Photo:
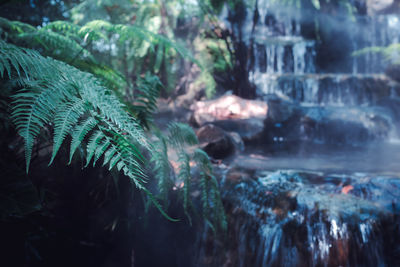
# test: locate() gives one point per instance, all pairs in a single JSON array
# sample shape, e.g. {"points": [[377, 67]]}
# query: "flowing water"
{"points": [[333, 200], [312, 207]]}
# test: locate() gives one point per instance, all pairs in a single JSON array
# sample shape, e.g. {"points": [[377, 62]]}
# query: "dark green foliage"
{"points": [[145, 99], [181, 137], [162, 167], [65, 97], [76, 45], [390, 53], [185, 176], [79, 107], [213, 210], [181, 134]]}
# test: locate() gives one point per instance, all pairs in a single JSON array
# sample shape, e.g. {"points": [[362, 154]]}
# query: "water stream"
{"points": [[333, 200]]}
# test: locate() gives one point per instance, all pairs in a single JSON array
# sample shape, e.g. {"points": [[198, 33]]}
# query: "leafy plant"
{"points": [[84, 47], [181, 137], [76, 104], [390, 53]]}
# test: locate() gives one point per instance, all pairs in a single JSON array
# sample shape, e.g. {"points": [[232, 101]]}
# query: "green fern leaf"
{"points": [[78, 135], [114, 160], [31, 112], [109, 154], [184, 175], [158, 206], [67, 116], [162, 168], [101, 149], [5, 65], [181, 133], [94, 141]]}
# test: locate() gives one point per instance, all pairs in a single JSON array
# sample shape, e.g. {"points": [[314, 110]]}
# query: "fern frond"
{"points": [[59, 95], [93, 144], [67, 115], [15, 27], [219, 216], [72, 93], [205, 198], [5, 67], [185, 176], [101, 149], [167, 43], [112, 110], [145, 104], [210, 192], [79, 134], [109, 155], [64, 27], [391, 53], [96, 29], [159, 57], [202, 159], [181, 133], [158, 206], [31, 111], [15, 58], [56, 45], [112, 79], [162, 168]]}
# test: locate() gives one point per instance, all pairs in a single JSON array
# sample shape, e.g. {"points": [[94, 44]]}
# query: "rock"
{"points": [[300, 218], [238, 175], [233, 114], [250, 130], [237, 141], [279, 110], [287, 123], [345, 126], [393, 105], [215, 141], [228, 107], [393, 71]]}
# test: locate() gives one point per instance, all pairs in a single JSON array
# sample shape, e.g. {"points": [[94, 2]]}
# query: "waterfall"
{"points": [[313, 214], [292, 218], [377, 31], [284, 64]]}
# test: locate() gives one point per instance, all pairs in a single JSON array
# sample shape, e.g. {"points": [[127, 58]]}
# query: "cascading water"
{"points": [[306, 218], [316, 215], [377, 31], [284, 64]]}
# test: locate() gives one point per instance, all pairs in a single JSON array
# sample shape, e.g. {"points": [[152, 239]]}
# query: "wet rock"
{"points": [[237, 175], [215, 141], [327, 125], [290, 218], [280, 110], [232, 114], [250, 130], [393, 71], [345, 126], [237, 141], [228, 107], [393, 105]]}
